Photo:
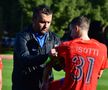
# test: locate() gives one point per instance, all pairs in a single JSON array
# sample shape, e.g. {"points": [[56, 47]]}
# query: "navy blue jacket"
{"points": [[29, 58]]}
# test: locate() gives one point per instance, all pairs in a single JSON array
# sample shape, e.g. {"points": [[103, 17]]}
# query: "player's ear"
{"points": [[77, 28]]}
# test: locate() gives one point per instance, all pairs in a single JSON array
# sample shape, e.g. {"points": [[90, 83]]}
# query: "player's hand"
{"points": [[53, 53], [100, 74]]}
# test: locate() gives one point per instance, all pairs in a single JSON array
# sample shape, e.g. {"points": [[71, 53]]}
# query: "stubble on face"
{"points": [[42, 23]]}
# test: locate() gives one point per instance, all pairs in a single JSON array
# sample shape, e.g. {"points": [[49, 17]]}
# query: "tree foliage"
{"points": [[64, 12]]}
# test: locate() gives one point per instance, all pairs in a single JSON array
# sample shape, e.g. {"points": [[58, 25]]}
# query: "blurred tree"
{"points": [[17, 13], [11, 13], [99, 10]]}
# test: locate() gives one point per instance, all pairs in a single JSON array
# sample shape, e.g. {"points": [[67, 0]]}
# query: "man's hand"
{"points": [[53, 53]]}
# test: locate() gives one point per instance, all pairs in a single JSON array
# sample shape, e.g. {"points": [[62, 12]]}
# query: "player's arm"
{"points": [[104, 65], [49, 63], [59, 64], [48, 67], [58, 61], [100, 74], [53, 61], [107, 63], [47, 70]]}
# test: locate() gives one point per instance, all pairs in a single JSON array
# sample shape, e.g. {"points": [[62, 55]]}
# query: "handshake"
{"points": [[53, 53], [52, 58]]}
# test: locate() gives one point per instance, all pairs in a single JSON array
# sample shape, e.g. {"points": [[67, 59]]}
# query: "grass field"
{"points": [[7, 72]]}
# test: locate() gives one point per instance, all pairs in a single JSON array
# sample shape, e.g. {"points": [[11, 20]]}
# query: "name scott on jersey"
{"points": [[89, 51]]}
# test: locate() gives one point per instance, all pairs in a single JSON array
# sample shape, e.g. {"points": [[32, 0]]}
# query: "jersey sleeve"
{"points": [[61, 49], [62, 53], [105, 59], [105, 64]]}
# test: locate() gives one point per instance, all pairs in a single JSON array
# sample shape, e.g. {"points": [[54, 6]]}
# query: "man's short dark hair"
{"points": [[41, 9]]}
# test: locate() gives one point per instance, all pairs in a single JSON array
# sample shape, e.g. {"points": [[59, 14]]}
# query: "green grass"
{"points": [[103, 81], [7, 73]]}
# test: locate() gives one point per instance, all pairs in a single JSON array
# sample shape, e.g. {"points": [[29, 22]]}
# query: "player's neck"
{"points": [[85, 38], [84, 35]]}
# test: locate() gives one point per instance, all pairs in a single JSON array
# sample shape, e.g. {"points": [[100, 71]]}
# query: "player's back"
{"points": [[84, 60]]}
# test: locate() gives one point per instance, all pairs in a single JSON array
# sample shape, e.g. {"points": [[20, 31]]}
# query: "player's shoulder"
{"points": [[71, 42], [96, 42], [67, 42]]}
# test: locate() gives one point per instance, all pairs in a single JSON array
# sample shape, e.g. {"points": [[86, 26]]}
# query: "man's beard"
{"points": [[42, 32]]}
